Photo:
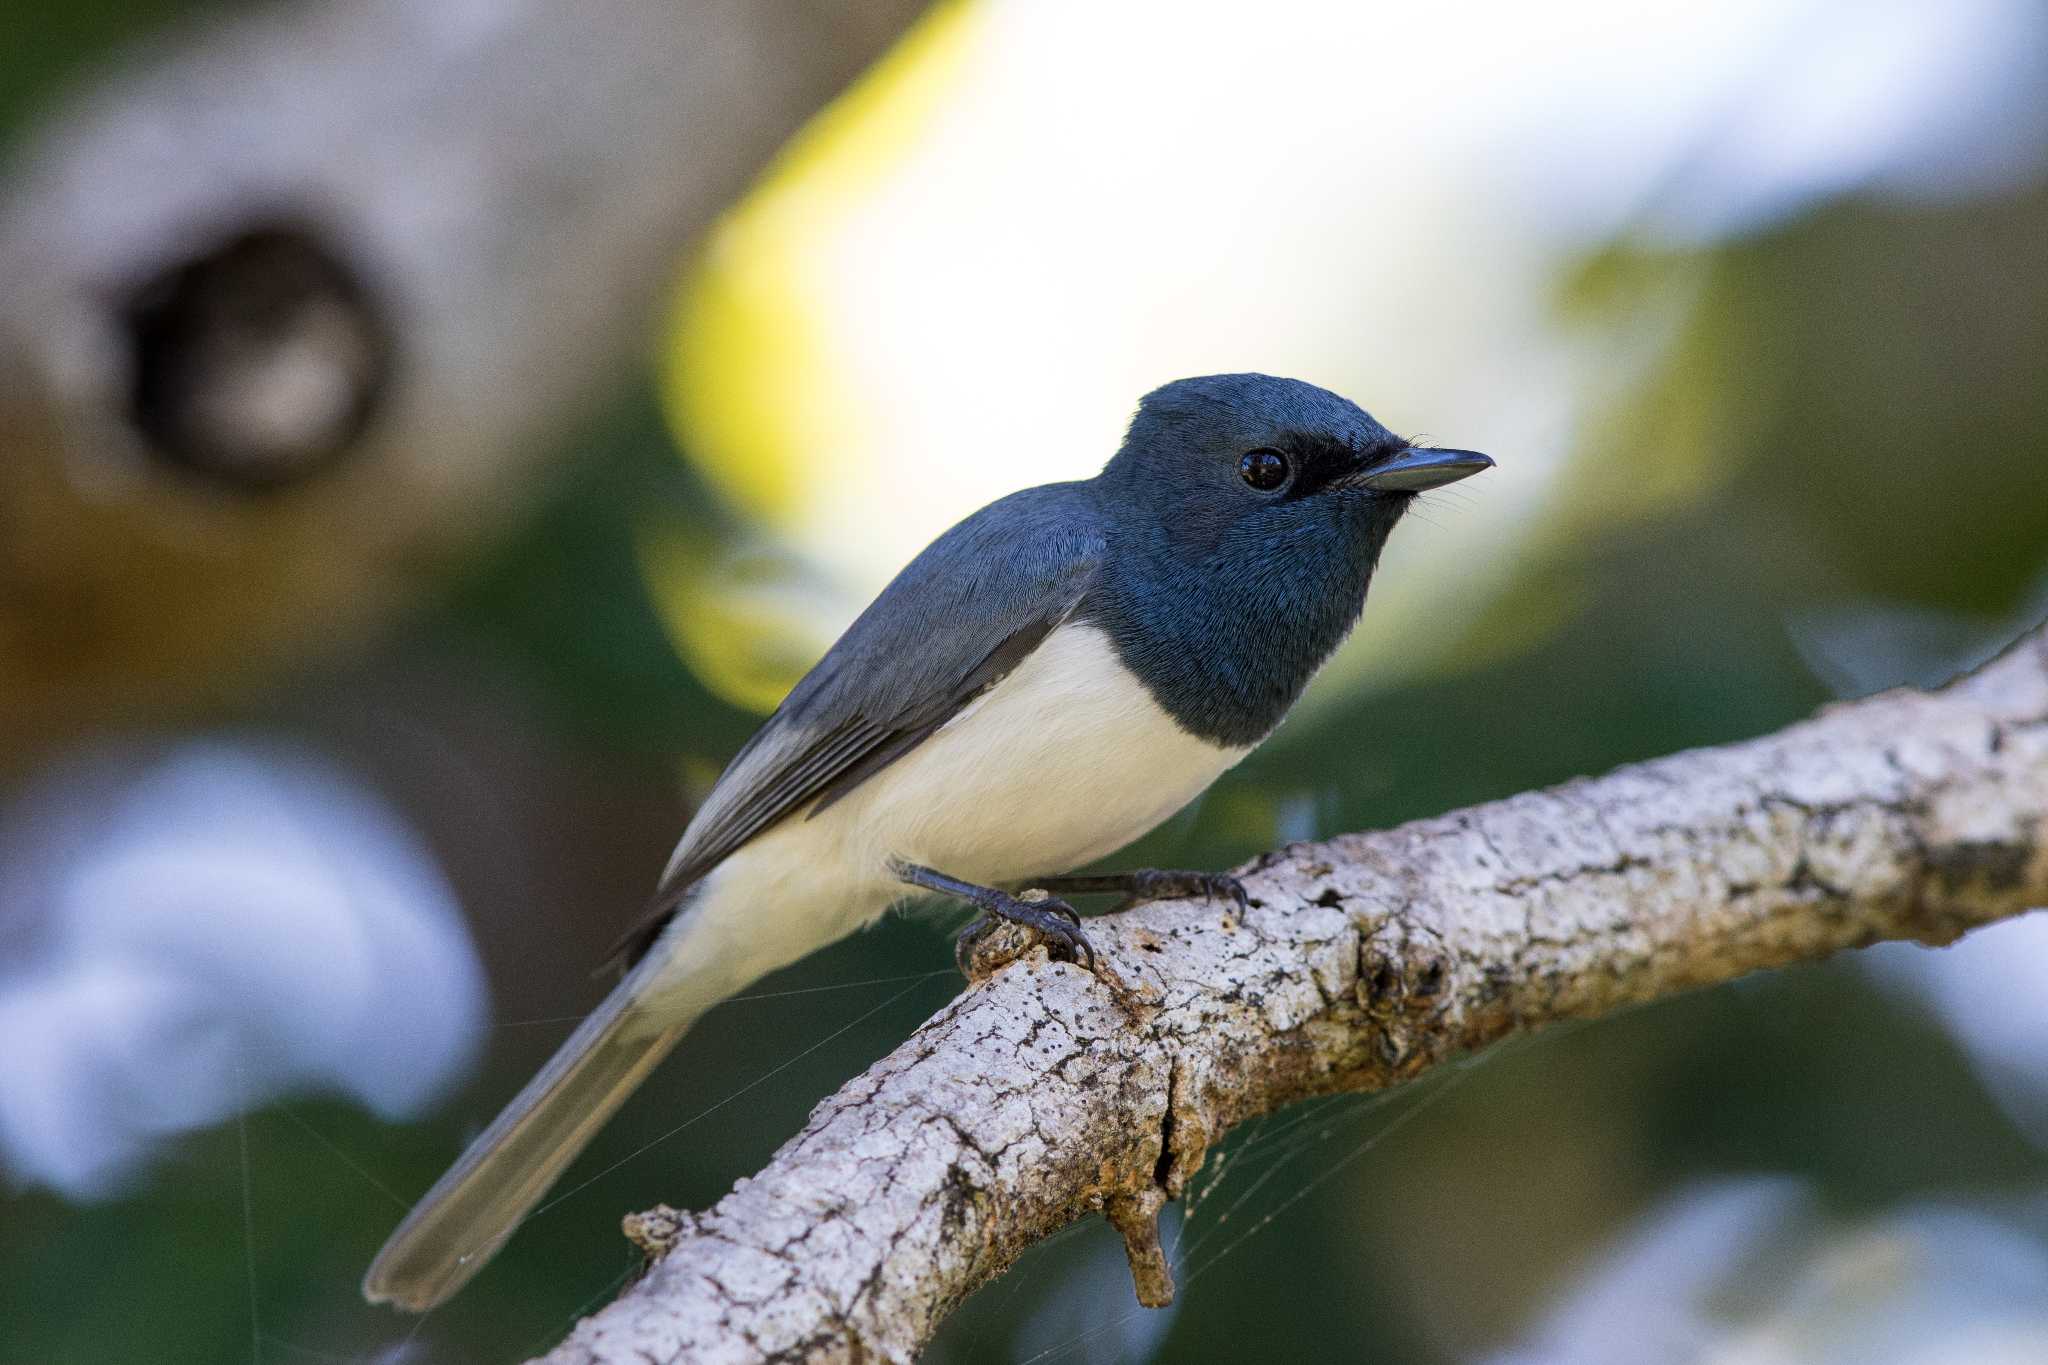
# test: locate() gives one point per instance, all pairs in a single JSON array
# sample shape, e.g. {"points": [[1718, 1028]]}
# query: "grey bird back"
{"points": [[949, 626]]}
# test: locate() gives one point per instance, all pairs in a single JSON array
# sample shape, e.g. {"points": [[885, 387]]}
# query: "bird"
{"points": [[1051, 678]]}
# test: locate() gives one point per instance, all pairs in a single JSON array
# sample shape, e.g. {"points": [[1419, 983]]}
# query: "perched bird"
{"points": [[1047, 681]]}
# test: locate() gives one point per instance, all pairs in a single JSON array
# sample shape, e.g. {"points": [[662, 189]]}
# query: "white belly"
{"points": [[1064, 761]]}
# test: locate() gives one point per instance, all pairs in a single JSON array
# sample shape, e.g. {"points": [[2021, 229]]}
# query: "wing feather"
{"points": [[953, 624]]}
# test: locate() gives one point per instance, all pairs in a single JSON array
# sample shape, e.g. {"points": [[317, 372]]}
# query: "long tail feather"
{"points": [[475, 1207]]}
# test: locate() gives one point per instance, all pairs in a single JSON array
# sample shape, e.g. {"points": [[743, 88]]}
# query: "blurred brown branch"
{"points": [[1037, 1097], [297, 305]]}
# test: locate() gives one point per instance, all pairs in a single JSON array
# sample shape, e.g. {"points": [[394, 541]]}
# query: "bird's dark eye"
{"points": [[1264, 470]]}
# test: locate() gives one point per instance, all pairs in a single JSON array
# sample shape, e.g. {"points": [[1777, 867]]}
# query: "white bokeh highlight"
{"points": [[1750, 1271], [195, 931]]}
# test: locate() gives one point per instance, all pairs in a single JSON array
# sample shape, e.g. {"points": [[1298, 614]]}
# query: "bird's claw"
{"points": [[1056, 923], [1053, 905]]}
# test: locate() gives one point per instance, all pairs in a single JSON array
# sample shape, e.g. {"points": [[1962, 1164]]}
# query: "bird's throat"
{"points": [[1226, 645]]}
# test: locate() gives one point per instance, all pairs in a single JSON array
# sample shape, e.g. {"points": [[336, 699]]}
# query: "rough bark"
{"points": [[297, 305], [1038, 1096]]}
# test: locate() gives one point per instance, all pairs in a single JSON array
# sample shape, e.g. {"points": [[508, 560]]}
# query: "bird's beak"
{"points": [[1419, 468]]}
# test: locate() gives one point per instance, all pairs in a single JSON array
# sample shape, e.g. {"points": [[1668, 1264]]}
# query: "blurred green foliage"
{"points": [[52, 45]]}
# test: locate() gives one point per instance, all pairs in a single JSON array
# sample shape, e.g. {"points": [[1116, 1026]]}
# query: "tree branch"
{"points": [[1036, 1097]]}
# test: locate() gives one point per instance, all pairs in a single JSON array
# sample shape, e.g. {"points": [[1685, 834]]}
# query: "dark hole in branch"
{"points": [[257, 361]]}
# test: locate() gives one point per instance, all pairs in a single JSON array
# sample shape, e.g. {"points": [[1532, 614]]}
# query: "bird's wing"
{"points": [[950, 626]]}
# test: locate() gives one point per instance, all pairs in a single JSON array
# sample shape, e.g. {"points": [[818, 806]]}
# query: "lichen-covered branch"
{"points": [[1039, 1096]]}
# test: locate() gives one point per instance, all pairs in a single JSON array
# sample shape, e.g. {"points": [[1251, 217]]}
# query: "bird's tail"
{"points": [[460, 1224]]}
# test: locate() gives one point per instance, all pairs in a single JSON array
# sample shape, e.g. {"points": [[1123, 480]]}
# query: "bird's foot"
{"points": [[1154, 884], [1053, 922]]}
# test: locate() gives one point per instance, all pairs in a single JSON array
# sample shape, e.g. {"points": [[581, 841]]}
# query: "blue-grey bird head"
{"points": [[1243, 517]]}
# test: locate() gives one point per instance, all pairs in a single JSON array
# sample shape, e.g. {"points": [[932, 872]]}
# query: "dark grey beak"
{"points": [[1421, 467]]}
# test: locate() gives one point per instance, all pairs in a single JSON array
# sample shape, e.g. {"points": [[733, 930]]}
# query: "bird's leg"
{"points": [[1053, 920], [1151, 884]]}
